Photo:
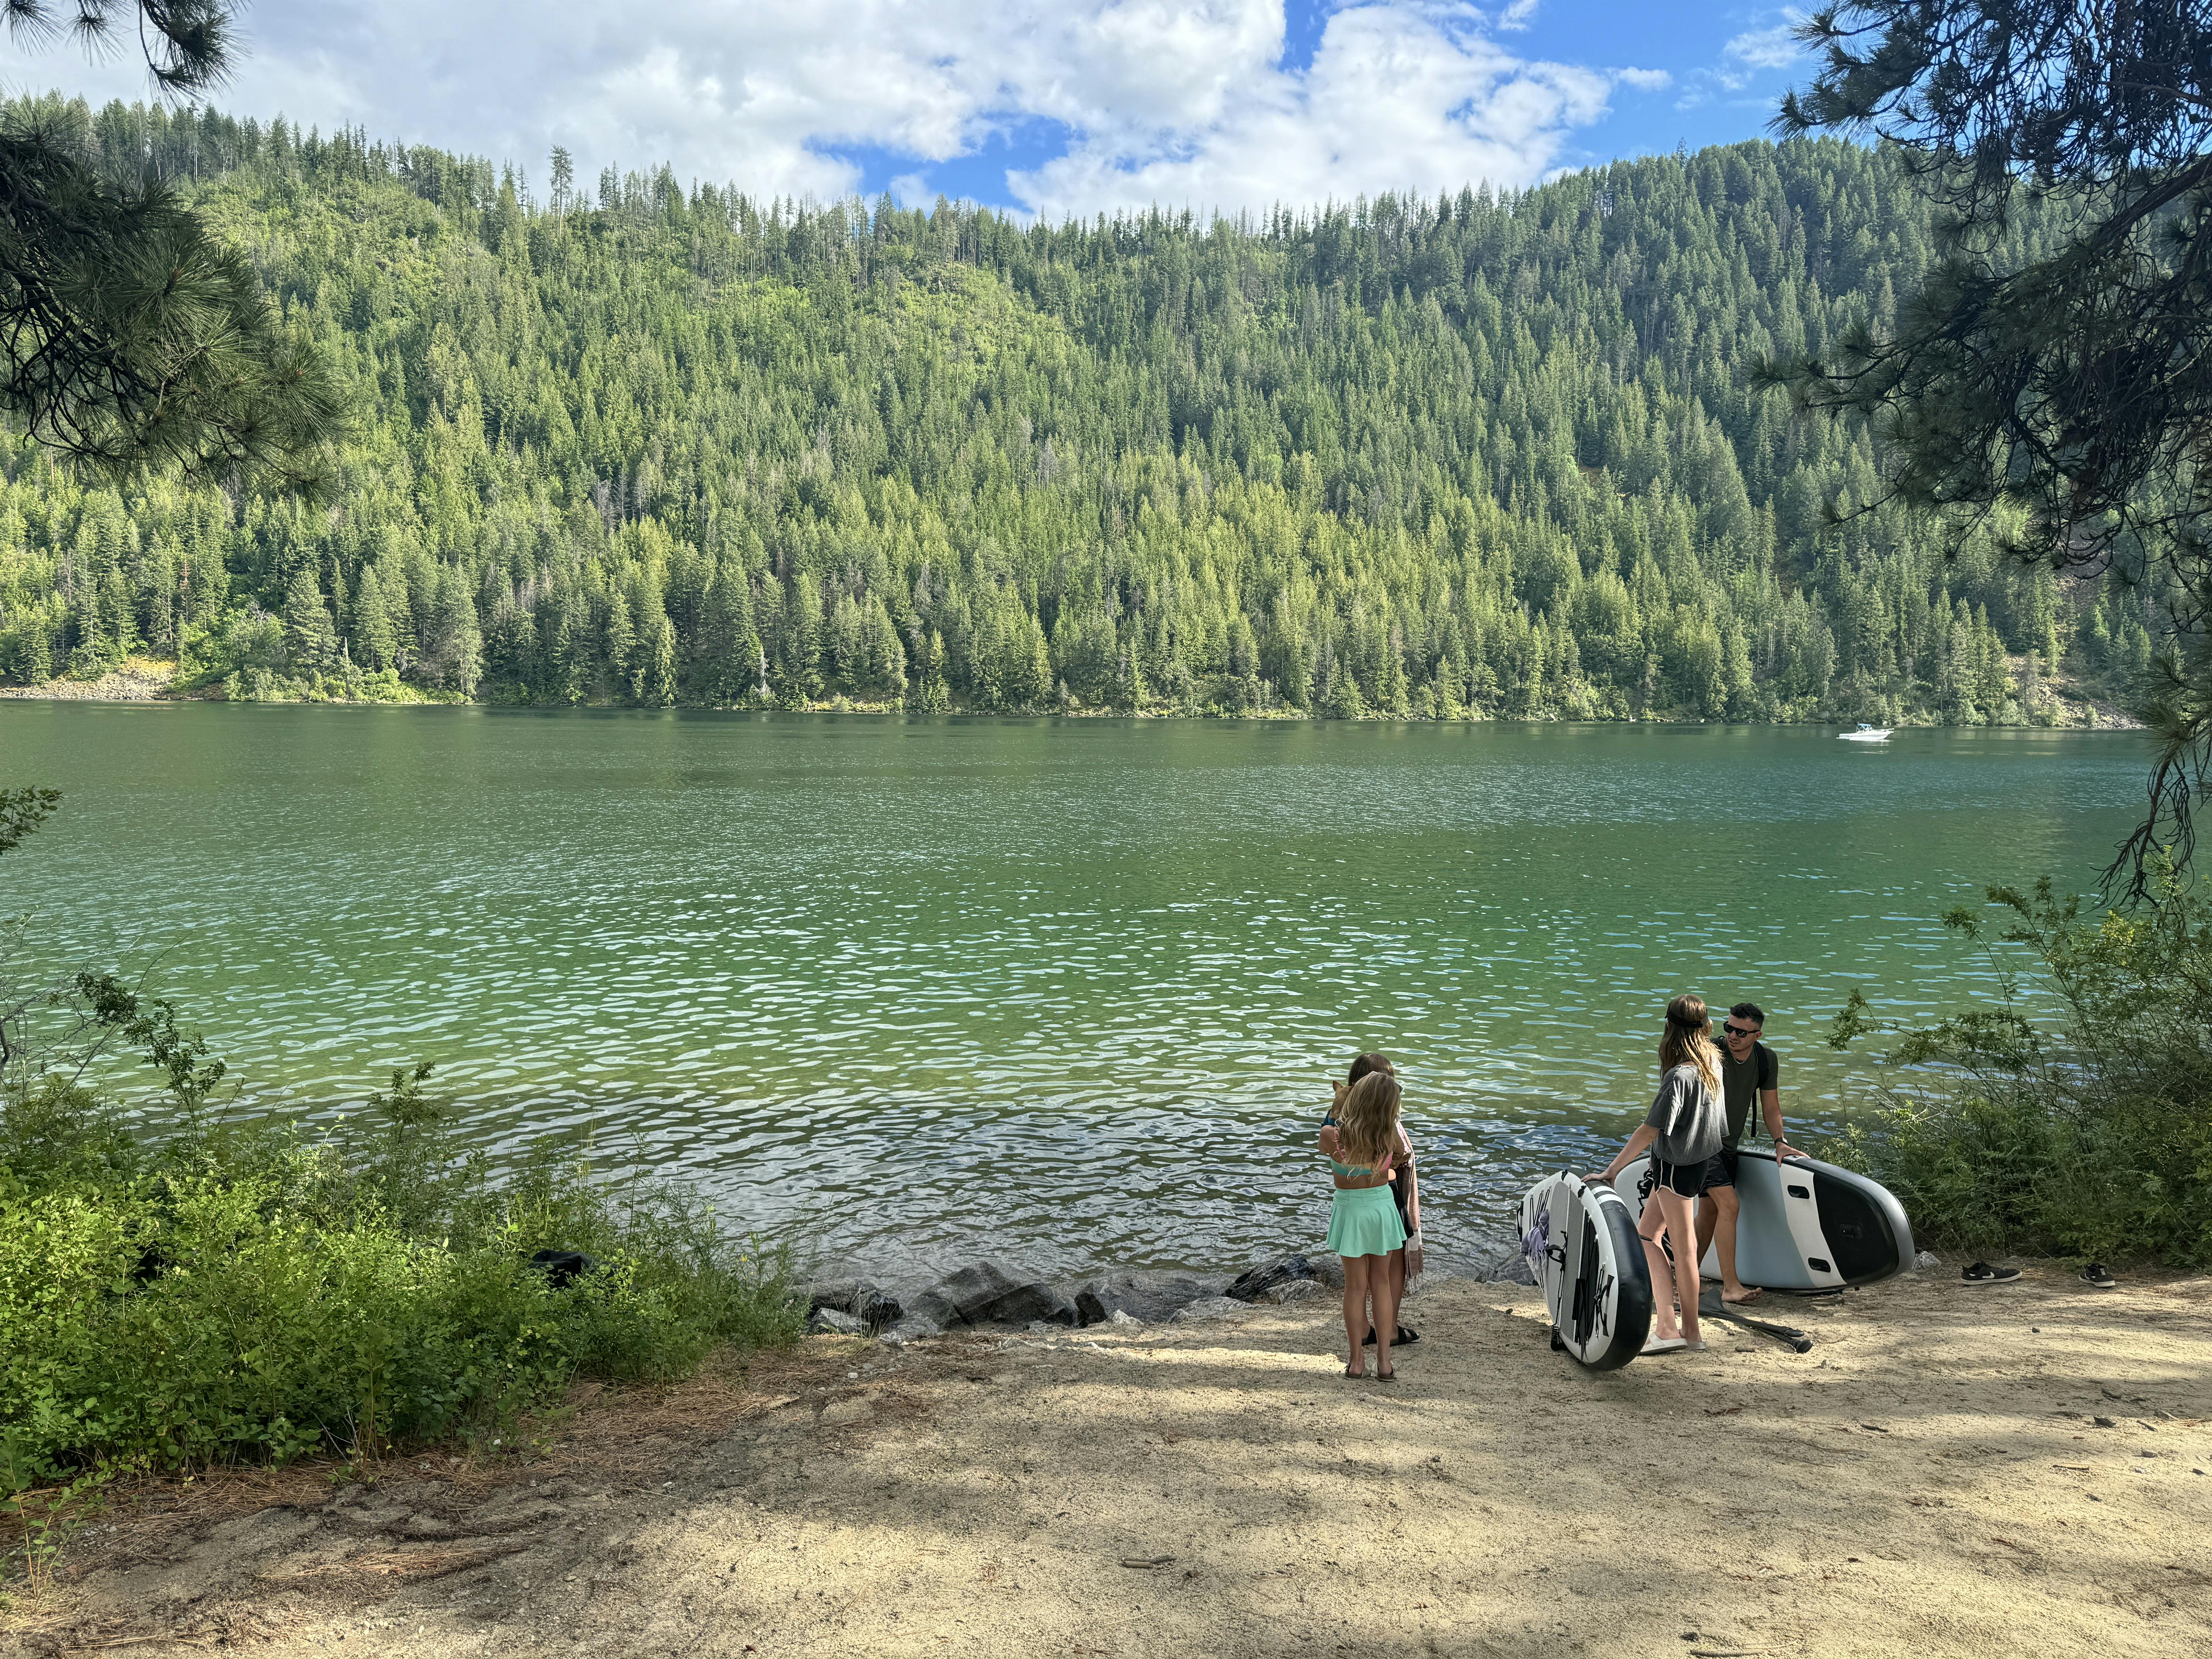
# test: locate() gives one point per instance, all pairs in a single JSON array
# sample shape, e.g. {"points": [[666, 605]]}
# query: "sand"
{"points": [[1950, 1470]]}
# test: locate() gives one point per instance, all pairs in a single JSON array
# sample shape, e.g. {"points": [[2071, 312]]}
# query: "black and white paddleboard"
{"points": [[1802, 1224], [1581, 1240]]}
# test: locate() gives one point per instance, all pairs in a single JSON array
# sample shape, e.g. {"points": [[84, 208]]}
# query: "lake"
{"points": [[914, 990]]}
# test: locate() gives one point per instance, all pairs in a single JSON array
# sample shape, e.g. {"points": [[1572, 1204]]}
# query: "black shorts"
{"points": [[1720, 1171], [1686, 1180]]}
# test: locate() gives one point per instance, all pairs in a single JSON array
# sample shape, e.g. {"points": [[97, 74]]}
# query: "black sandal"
{"points": [[1981, 1272], [1406, 1334]]}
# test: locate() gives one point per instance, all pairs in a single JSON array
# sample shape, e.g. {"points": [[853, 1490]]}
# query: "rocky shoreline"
{"points": [[985, 1294]]}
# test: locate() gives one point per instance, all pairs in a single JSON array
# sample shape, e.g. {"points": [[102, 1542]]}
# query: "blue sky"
{"points": [[1048, 107]]}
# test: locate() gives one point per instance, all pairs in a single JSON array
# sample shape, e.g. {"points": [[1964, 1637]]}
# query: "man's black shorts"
{"points": [[1720, 1171]]}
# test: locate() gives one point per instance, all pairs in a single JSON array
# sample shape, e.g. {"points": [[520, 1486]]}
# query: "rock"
{"points": [[863, 1298], [1255, 1282], [562, 1268], [1209, 1308], [912, 1329], [932, 1309], [1925, 1260], [1293, 1289], [982, 1294], [1509, 1268], [830, 1322], [1144, 1296], [1122, 1316]]}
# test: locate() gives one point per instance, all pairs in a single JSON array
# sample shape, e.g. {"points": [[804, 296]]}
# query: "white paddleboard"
{"points": [[1802, 1224], [1581, 1240]]}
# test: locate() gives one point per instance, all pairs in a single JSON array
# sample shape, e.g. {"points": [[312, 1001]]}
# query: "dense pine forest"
{"points": [[1481, 456]]}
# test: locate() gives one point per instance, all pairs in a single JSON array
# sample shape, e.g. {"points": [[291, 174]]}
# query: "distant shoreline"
{"points": [[148, 680]]}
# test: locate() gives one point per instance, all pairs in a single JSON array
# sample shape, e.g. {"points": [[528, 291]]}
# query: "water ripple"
{"points": [[1066, 992]]}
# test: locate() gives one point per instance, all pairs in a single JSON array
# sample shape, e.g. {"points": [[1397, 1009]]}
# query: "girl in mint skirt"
{"points": [[1363, 1218]]}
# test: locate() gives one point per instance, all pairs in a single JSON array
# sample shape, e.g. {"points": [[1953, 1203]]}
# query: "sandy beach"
{"points": [[1949, 1470]]}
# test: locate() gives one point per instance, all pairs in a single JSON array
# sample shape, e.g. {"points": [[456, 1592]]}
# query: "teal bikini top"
{"points": [[1347, 1171]]}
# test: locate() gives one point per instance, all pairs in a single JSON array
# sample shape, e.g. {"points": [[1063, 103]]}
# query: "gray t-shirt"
{"points": [[1689, 1116]]}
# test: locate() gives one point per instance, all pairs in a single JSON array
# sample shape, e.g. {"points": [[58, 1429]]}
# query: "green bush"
{"points": [[248, 1292], [2091, 1138]]}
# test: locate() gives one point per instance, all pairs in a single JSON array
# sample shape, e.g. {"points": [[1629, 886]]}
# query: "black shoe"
{"points": [[2094, 1274], [1406, 1334], [1982, 1274]]}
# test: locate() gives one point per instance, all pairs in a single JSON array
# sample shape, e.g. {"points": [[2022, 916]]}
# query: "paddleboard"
{"points": [[1802, 1224], [1581, 1241]]}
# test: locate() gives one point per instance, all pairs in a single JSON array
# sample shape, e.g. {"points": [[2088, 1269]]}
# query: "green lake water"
{"points": [[1064, 992]]}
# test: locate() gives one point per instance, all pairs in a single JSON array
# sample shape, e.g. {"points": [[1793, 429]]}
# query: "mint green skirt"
{"points": [[1364, 1221]]}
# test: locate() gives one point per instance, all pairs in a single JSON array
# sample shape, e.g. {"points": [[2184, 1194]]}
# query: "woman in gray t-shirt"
{"points": [[1683, 1129]]}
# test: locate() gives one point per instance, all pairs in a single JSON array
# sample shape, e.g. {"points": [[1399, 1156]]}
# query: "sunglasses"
{"points": [[1740, 1031]]}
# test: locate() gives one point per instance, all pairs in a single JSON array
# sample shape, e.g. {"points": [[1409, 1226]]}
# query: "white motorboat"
{"points": [[1867, 733]]}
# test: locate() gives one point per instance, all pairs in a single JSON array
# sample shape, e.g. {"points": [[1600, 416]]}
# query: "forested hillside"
{"points": [[1477, 456]]}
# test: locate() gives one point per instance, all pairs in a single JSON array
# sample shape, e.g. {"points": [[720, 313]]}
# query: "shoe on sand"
{"points": [[1664, 1345], [2094, 1274], [1406, 1334], [1981, 1272]]}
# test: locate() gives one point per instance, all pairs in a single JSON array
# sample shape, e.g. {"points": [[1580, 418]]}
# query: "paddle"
{"points": [[1709, 1306]]}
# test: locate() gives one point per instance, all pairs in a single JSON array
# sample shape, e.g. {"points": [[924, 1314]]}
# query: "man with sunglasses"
{"points": [[1749, 1072]]}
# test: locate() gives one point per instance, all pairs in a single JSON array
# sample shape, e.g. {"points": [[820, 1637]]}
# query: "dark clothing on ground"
{"points": [[1743, 1083]]}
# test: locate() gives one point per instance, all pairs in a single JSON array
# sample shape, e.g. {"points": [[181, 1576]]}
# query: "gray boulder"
{"points": [[1294, 1290], [863, 1299], [832, 1321], [1150, 1297], [1511, 1266], [1256, 1282], [982, 1293]]}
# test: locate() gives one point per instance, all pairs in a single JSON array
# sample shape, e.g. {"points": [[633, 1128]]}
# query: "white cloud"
{"points": [[1182, 101], [1775, 48], [1644, 80], [1397, 96], [1742, 59]]}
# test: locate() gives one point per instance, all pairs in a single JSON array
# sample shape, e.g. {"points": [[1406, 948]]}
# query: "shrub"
{"points": [[245, 1292], [2091, 1138]]}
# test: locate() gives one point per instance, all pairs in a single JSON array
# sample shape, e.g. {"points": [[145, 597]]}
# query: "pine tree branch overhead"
{"points": [[131, 339], [2056, 389]]}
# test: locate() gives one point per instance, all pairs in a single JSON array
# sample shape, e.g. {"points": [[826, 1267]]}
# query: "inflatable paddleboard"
{"points": [[1802, 1224], [1581, 1240]]}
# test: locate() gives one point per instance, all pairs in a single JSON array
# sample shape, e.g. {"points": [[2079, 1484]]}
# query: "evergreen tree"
{"points": [[311, 639], [129, 336]]}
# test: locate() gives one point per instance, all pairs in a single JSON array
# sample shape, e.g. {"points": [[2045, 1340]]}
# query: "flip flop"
{"points": [[1386, 1376], [1980, 1272], [1664, 1345], [1359, 1376], [1406, 1333], [2094, 1274]]}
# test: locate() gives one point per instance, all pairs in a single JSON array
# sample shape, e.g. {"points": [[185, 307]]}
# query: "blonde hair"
{"points": [[1690, 1039], [1367, 1121]]}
